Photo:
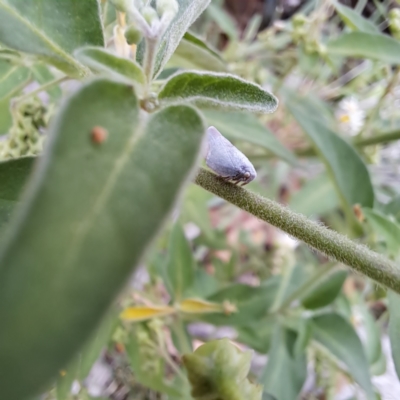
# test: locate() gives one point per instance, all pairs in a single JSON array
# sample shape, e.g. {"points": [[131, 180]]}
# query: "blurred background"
{"points": [[330, 152]]}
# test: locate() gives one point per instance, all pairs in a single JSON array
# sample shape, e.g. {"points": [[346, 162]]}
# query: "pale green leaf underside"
{"points": [[218, 89], [101, 60], [52, 30], [62, 247], [354, 20]]}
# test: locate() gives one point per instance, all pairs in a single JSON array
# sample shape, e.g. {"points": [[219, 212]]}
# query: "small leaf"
{"points": [[198, 306], [51, 30], [244, 126], [385, 228], [282, 363], [325, 290], [188, 12], [366, 45], [257, 334], [394, 328], [218, 89], [335, 334], [13, 78], [101, 60], [393, 207], [180, 266], [354, 20], [63, 247], [193, 53], [223, 20], [338, 155], [143, 313]]}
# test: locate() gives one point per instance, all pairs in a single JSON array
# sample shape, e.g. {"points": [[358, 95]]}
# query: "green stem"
{"points": [[318, 237]]}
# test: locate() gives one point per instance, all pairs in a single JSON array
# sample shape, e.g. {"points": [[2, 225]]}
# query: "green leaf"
{"points": [[218, 89], [366, 45], [180, 268], [393, 208], [316, 197], [325, 291], [338, 337], [91, 351], [394, 328], [244, 126], [193, 53], [43, 75], [12, 78], [65, 380], [386, 229], [338, 155], [252, 302], [13, 177], [189, 11], [354, 20], [257, 334], [223, 20], [91, 211], [51, 30], [282, 364], [101, 60]]}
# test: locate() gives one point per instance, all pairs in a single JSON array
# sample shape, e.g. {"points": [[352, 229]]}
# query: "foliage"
{"points": [[103, 110]]}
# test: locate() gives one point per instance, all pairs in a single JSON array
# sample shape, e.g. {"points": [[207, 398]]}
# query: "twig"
{"points": [[318, 237]]}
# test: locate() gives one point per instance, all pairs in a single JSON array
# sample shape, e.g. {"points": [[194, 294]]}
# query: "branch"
{"points": [[328, 242]]}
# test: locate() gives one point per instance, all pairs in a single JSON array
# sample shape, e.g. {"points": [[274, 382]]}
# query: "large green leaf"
{"points": [[354, 20], [189, 11], [244, 126], [180, 265], [283, 363], [338, 155], [386, 229], [52, 30], [193, 53], [366, 45], [218, 89], [13, 177], [101, 60], [338, 337], [91, 211], [394, 328]]}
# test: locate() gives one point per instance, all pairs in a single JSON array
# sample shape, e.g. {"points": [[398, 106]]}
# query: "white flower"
{"points": [[350, 115]]}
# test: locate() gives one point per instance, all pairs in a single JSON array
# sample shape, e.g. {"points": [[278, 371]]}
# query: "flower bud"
{"points": [[120, 5], [150, 15], [167, 6], [132, 35]]}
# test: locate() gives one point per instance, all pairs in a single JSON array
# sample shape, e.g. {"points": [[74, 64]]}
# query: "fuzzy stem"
{"points": [[318, 237]]}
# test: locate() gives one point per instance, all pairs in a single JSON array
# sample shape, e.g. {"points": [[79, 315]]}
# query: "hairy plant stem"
{"points": [[318, 237]]}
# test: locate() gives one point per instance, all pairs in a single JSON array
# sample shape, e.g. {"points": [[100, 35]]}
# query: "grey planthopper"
{"points": [[226, 160]]}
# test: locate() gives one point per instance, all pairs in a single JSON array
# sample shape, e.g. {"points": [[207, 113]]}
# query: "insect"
{"points": [[226, 160]]}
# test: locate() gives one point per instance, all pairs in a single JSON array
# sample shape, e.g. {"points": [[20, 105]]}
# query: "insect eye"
{"points": [[247, 175]]}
